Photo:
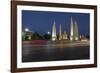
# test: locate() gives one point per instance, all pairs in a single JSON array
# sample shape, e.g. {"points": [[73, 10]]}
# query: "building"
{"points": [[27, 34]]}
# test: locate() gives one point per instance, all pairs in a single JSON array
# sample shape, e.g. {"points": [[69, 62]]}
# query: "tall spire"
{"points": [[71, 29], [74, 30], [60, 32], [54, 37]]}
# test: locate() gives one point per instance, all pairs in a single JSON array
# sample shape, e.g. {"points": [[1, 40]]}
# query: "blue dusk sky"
{"points": [[42, 21]]}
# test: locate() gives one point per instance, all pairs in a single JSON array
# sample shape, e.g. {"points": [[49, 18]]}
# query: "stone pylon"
{"points": [[71, 29], [54, 37], [60, 32], [74, 30]]}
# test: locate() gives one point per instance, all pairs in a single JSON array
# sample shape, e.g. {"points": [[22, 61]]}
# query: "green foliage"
{"points": [[36, 36], [47, 36]]}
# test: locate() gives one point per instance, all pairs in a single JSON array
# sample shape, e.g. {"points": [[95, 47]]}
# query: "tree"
{"points": [[36, 36], [47, 36]]}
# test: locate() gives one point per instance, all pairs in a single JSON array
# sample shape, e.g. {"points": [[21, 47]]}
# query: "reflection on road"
{"points": [[33, 51]]}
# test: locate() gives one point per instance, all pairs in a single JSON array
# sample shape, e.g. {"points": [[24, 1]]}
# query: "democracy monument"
{"points": [[64, 36]]}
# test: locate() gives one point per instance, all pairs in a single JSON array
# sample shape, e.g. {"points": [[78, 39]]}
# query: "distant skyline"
{"points": [[42, 21]]}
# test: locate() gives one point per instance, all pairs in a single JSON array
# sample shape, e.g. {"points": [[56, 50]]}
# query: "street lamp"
{"points": [[48, 32], [26, 29]]}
